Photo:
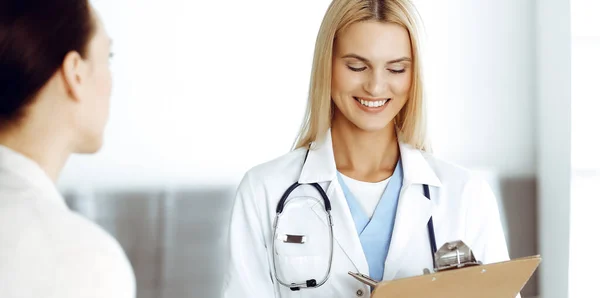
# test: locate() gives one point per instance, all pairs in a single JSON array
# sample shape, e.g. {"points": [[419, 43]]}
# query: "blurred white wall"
{"points": [[568, 160], [585, 146], [554, 147], [203, 91], [483, 88]]}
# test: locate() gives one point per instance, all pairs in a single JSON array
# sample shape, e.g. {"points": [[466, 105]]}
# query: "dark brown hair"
{"points": [[35, 37]]}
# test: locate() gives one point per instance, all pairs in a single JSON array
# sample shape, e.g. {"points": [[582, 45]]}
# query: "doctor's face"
{"points": [[371, 73]]}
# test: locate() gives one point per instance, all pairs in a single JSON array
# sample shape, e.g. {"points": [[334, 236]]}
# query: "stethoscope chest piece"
{"points": [[300, 239]]}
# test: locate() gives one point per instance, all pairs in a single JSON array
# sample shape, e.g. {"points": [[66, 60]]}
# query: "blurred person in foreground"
{"points": [[55, 85]]}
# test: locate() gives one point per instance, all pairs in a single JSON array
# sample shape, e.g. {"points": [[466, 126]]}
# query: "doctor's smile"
{"points": [[371, 105]]}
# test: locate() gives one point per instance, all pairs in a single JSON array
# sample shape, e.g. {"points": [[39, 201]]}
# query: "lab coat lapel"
{"points": [[412, 215], [414, 209], [413, 212], [320, 167], [344, 229]]}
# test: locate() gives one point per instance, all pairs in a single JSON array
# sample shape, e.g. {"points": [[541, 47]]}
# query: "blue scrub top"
{"points": [[376, 233]]}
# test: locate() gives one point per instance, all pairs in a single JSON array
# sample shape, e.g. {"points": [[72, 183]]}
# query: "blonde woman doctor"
{"points": [[364, 144]]}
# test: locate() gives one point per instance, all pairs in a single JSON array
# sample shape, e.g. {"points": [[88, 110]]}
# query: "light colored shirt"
{"points": [[375, 233], [367, 194], [48, 251]]}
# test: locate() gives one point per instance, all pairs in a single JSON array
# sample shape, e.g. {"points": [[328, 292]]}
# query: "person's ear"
{"points": [[73, 69]]}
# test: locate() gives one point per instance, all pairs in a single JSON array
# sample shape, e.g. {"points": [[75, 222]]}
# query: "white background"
{"points": [[585, 194], [204, 90]]}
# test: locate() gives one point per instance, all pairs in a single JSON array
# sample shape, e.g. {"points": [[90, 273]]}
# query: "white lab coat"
{"points": [[463, 208], [48, 251]]}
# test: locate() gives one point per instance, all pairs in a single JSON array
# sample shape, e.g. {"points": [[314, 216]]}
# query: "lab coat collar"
{"points": [[416, 169], [413, 208], [16, 167], [320, 164]]}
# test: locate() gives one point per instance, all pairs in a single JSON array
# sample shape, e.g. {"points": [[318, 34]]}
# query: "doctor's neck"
{"points": [[41, 140], [369, 156]]}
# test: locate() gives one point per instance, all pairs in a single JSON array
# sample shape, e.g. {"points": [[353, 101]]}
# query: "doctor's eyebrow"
{"points": [[365, 60]]}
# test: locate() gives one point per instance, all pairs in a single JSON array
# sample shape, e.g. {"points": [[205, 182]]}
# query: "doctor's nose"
{"points": [[375, 85]]}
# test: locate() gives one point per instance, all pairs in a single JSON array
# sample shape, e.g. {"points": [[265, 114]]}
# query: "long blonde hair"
{"points": [[411, 121]]}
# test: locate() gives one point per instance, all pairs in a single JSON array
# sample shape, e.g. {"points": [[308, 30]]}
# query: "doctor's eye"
{"points": [[398, 70], [357, 69]]}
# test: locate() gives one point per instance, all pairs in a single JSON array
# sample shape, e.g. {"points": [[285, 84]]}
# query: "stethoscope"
{"points": [[312, 283]]}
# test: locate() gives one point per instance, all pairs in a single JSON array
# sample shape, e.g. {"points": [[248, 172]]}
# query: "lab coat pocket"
{"points": [[301, 233], [302, 247], [299, 269]]}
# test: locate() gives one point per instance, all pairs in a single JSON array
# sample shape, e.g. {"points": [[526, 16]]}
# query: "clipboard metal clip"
{"points": [[454, 255]]}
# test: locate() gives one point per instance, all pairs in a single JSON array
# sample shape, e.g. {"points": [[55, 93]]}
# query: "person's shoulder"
{"points": [[84, 236], [468, 186], [26, 260], [15, 194], [284, 163], [23, 213], [17, 203], [45, 239], [447, 170], [61, 228], [91, 256], [457, 176], [285, 166]]}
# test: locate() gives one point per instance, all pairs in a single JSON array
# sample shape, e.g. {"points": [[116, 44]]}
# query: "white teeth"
{"points": [[372, 104]]}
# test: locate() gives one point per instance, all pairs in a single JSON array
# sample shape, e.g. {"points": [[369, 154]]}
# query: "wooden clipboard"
{"points": [[497, 280]]}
